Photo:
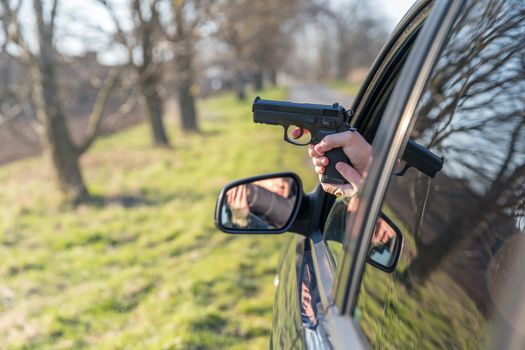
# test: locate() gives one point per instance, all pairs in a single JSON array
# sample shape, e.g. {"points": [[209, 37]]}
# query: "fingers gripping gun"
{"points": [[307, 123]]}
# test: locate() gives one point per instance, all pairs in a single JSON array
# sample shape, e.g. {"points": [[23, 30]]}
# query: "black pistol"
{"points": [[307, 123]]}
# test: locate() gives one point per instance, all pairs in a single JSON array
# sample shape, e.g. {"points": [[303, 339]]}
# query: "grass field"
{"points": [[143, 266]]}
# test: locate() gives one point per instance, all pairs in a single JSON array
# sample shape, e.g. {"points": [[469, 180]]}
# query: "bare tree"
{"points": [[235, 28], [188, 15], [144, 37], [259, 37], [474, 115], [149, 79], [42, 66], [349, 36], [271, 41]]}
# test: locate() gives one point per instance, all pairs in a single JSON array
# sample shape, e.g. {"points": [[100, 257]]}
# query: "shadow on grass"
{"points": [[209, 132], [126, 201], [148, 200], [122, 302], [211, 321], [200, 243]]}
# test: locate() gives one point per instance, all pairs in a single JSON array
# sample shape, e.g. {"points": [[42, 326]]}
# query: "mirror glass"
{"points": [[386, 244], [264, 204]]}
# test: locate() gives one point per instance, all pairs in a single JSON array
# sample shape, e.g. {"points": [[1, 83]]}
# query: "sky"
{"points": [[393, 10]]}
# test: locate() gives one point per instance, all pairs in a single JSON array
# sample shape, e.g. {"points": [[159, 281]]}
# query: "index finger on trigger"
{"points": [[297, 132]]}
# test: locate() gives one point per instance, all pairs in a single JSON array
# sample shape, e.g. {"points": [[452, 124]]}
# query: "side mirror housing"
{"points": [[264, 204]]}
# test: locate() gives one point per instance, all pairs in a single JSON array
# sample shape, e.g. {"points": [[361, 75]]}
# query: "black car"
{"points": [[450, 78]]}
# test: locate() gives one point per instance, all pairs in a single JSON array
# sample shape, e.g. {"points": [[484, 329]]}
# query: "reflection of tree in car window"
{"points": [[472, 112], [474, 115]]}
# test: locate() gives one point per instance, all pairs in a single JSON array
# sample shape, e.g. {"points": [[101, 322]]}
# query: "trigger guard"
{"points": [[286, 131], [286, 135], [291, 141]]}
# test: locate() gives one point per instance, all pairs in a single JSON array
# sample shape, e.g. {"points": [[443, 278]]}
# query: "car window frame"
{"points": [[376, 75], [339, 291], [391, 137], [500, 332], [383, 79]]}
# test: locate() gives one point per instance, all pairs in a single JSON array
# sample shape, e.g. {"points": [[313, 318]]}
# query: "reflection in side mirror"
{"points": [[386, 245], [262, 204]]}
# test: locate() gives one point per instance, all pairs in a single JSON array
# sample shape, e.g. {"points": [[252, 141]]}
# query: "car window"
{"points": [[463, 227], [368, 113], [335, 227]]}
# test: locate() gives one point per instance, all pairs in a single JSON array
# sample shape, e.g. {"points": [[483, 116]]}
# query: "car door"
{"points": [[307, 276], [460, 281]]}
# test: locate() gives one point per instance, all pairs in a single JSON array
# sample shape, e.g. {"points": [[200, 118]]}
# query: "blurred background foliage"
{"points": [[119, 123]]}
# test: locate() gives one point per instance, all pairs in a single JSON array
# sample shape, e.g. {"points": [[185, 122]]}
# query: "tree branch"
{"points": [[53, 16], [120, 35], [97, 113]]}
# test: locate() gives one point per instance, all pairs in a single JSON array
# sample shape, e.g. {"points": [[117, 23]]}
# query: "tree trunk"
{"points": [[149, 76], [342, 69], [187, 110], [343, 61], [154, 112], [258, 82], [239, 85], [64, 154], [185, 76], [65, 159], [272, 76]]}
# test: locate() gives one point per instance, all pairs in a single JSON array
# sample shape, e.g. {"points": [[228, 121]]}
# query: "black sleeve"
{"points": [[271, 206]]}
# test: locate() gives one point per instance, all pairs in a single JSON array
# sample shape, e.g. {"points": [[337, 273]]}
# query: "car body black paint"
{"points": [[335, 322]]}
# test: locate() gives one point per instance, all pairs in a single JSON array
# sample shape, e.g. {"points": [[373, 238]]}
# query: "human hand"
{"points": [[306, 303], [237, 199], [356, 149], [298, 132], [383, 232]]}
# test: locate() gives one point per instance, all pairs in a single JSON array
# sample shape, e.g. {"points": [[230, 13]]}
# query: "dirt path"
{"points": [[316, 93]]}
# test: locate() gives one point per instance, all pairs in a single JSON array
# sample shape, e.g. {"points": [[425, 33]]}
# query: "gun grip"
{"points": [[331, 175]]}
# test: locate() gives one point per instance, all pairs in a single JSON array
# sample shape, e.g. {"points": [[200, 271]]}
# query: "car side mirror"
{"points": [[385, 256], [261, 204]]}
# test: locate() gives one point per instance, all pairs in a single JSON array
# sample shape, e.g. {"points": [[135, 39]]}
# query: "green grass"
{"points": [[345, 87], [143, 267]]}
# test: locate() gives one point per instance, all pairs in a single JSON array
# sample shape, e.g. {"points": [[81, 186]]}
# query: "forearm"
{"points": [[273, 207]]}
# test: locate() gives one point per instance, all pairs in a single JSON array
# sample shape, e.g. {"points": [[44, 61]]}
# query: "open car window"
{"points": [[369, 108]]}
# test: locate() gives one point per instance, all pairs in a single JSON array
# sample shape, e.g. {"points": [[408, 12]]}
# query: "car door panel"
{"points": [[287, 324], [461, 257]]}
